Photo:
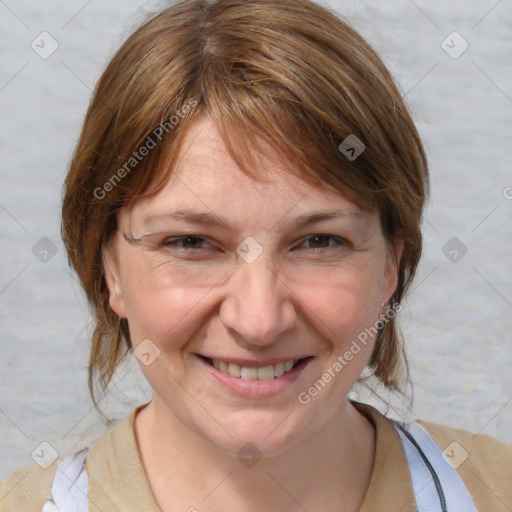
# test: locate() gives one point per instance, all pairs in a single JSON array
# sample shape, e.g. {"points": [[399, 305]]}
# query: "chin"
{"points": [[257, 435]]}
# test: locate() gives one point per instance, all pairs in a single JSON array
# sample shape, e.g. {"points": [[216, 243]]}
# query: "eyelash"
{"points": [[339, 241]]}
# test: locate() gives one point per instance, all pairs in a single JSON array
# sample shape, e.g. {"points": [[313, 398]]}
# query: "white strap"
{"points": [[428, 495], [70, 485]]}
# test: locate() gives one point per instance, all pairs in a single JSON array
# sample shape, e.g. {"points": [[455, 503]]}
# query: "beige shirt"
{"points": [[117, 481]]}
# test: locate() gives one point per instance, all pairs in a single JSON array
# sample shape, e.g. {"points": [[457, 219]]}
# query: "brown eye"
{"points": [[322, 241], [185, 242]]}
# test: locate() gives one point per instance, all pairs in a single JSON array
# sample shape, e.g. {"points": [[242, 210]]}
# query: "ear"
{"points": [[113, 279], [394, 250]]}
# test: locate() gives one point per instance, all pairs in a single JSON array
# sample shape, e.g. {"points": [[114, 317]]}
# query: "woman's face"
{"points": [[273, 272]]}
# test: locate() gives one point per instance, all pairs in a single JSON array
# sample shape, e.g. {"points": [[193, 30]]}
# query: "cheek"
{"points": [[347, 306], [165, 315]]}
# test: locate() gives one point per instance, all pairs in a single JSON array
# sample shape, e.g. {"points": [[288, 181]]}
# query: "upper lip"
{"points": [[254, 363]]}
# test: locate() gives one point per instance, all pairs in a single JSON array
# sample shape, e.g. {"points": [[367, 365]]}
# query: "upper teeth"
{"points": [[253, 373]]}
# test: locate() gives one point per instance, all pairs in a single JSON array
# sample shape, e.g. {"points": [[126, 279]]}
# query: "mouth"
{"points": [[253, 370], [252, 379]]}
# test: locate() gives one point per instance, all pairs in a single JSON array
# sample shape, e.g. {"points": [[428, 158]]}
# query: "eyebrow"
{"points": [[210, 219]]}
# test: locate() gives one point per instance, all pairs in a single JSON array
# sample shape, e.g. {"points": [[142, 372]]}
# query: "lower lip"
{"points": [[255, 388]]}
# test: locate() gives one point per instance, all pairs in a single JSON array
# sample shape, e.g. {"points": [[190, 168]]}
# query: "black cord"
{"points": [[437, 483]]}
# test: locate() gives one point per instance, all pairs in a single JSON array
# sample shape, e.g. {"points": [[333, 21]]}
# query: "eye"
{"points": [[188, 242], [324, 241]]}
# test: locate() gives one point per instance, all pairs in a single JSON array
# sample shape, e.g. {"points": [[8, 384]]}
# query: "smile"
{"points": [[254, 379], [268, 372]]}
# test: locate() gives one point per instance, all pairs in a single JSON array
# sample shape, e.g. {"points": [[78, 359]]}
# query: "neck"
{"points": [[328, 470]]}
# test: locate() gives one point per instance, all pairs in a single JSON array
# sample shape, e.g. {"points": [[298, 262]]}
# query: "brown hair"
{"points": [[292, 74]]}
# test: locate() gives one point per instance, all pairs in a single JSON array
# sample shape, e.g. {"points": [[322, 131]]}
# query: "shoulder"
{"points": [[463, 446], [483, 463], [27, 488], [115, 453]]}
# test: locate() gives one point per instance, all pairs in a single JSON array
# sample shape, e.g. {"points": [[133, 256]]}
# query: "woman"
{"points": [[243, 211]]}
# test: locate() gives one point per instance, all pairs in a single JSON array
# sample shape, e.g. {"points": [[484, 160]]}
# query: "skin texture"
{"points": [[295, 299]]}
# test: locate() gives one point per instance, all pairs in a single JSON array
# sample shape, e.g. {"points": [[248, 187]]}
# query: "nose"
{"points": [[257, 307]]}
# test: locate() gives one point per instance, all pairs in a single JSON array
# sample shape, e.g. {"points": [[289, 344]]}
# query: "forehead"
{"points": [[206, 178], [204, 160]]}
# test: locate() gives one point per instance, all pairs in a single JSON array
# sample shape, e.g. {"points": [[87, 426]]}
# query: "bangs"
{"points": [[290, 91]]}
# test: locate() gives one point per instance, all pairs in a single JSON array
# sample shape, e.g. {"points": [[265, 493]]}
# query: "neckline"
{"points": [[125, 483]]}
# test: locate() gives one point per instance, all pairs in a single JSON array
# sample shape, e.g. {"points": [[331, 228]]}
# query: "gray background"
{"points": [[458, 318]]}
